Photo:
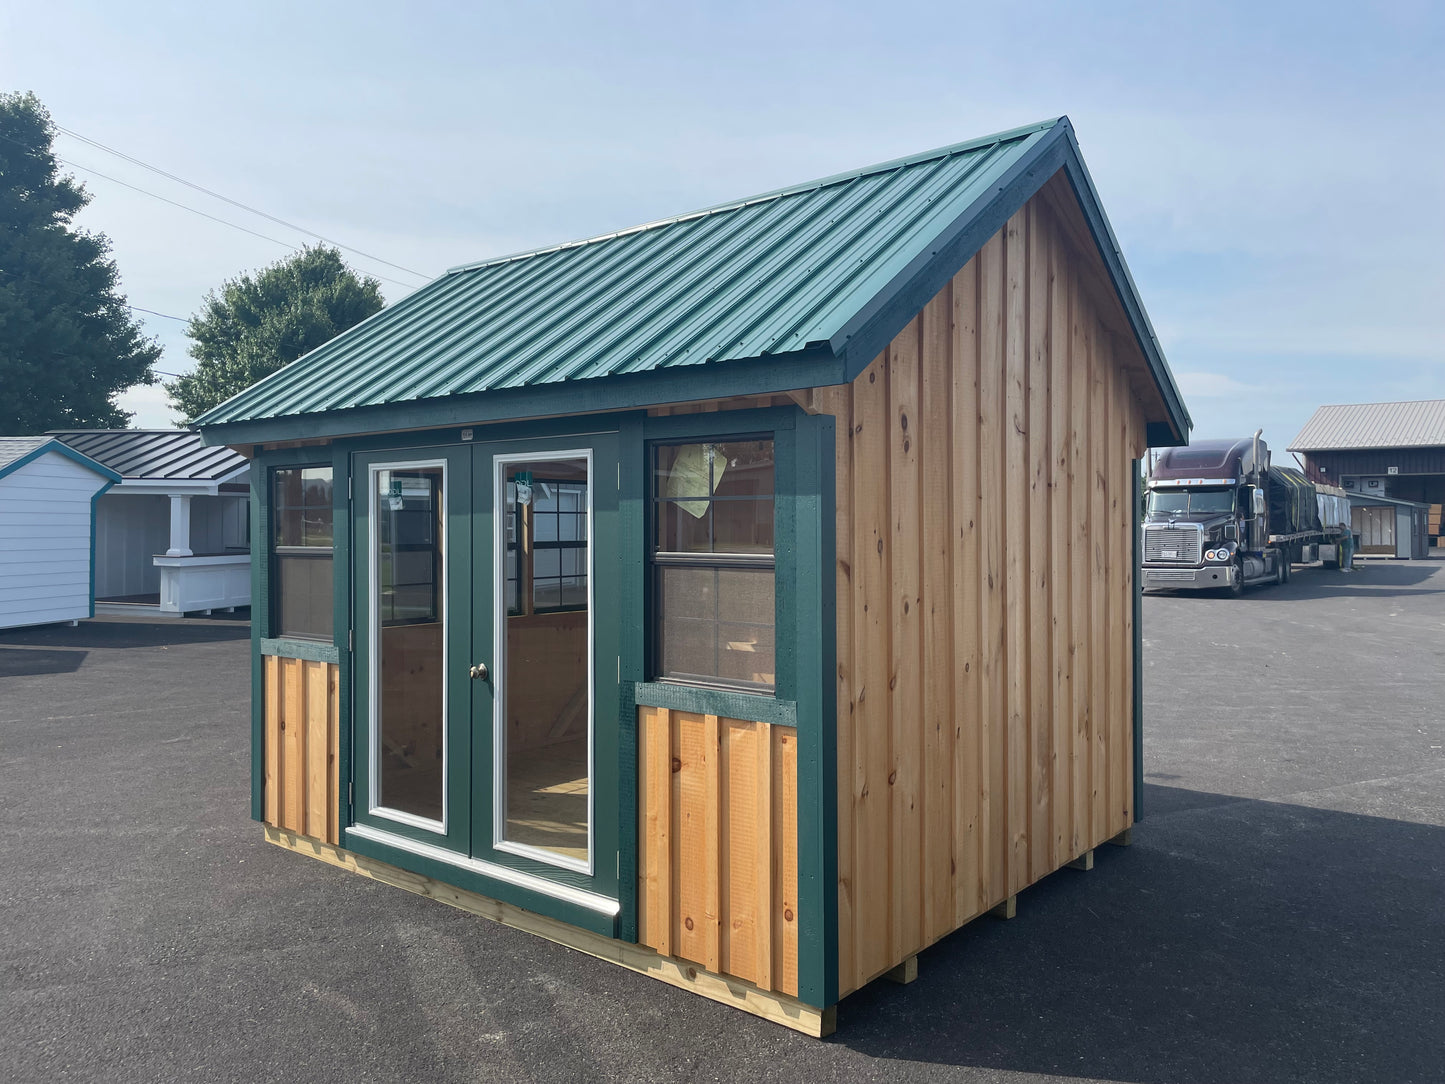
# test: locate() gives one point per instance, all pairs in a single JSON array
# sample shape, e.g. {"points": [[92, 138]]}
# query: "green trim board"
{"points": [[631, 658], [260, 617], [558, 402], [812, 588], [539, 903], [746, 707], [310, 650]]}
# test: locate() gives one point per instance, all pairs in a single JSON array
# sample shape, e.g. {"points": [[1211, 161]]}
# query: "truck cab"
{"points": [[1206, 518]]}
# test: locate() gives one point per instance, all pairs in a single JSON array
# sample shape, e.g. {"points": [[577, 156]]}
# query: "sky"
{"points": [[1274, 172]]}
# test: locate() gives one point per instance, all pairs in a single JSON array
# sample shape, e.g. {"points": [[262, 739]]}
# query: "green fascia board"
{"points": [[59, 447], [815, 368], [1050, 149]]}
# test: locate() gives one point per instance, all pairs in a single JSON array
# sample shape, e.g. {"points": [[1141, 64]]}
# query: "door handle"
{"points": [[480, 672]]}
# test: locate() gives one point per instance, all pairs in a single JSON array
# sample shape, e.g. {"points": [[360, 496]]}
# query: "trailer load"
{"points": [[1220, 515]]}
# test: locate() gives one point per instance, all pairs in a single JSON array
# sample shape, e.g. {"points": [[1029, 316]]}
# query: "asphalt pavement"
{"points": [[1280, 916]]}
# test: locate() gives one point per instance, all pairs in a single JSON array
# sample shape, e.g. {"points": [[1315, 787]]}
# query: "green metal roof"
{"points": [[824, 273]]}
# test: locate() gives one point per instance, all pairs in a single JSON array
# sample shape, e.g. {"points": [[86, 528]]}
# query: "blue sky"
{"points": [[1274, 171]]}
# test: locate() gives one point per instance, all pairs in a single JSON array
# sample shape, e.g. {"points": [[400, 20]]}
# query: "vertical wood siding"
{"points": [[718, 839], [302, 732], [984, 597]]}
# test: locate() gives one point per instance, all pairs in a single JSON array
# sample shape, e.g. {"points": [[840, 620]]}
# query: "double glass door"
{"points": [[480, 670]]}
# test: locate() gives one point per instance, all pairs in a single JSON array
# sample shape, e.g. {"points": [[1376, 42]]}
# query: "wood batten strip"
{"points": [[984, 729], [302, 731], [718, 858]]}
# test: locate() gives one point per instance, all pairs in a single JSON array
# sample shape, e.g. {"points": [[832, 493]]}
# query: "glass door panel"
{"points": [[412, 623], [410, 628], [543, 749]]}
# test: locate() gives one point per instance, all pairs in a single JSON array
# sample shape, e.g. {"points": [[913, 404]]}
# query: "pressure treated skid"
{"points": [[955, 713]]}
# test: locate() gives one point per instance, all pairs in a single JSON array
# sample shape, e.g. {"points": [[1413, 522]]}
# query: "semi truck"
{"points": [[1219, 515]]}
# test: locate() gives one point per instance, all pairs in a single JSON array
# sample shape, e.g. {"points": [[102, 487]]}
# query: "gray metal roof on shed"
{"points": [[825, 271], [15, 452], [13, 448], [171, 455], [1415, 424]]}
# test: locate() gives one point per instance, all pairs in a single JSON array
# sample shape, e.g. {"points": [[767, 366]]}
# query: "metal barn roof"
{"points": [[169, 455], [1373, 425], [830, 269]]}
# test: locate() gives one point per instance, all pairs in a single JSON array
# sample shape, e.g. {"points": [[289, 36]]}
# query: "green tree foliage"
{"points": [[251, 327], [68, 343]]}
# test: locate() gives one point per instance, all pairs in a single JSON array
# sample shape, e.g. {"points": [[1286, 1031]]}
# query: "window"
{"points": [[409, 545], [713, 566], [546, 543], [301, 553]]}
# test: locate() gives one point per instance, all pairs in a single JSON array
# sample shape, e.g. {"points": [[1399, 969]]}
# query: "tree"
{"points": [[251, 327], [68, 342]]}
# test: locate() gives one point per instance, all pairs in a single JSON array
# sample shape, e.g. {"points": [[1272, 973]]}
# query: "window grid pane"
{"points": [[713, 620]]}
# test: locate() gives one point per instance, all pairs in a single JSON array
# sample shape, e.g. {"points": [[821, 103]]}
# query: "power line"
{"points": [[203, 214], [84, 297], [234, 203], [193, 210]]}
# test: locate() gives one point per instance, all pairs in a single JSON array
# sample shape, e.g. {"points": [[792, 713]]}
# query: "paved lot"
{"points": [[1281, 916]]}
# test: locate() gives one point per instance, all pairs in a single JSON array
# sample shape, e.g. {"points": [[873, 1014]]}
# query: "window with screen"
{"points": [[713, 567], [301, 549]]}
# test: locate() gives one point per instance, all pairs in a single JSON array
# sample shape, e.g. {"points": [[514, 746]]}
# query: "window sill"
{"points": [[310, 650], [748, 707]]}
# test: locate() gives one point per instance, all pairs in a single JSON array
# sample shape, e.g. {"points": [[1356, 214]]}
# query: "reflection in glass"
{"points": [[410, 735], [545, 697]]}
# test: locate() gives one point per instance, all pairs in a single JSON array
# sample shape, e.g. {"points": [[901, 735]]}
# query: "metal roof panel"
{"points": [[158, 454], [1373, 425], [771, 275]]}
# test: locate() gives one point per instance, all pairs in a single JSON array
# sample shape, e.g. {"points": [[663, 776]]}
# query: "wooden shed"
{"points": [[48, 494], [747, 598]]}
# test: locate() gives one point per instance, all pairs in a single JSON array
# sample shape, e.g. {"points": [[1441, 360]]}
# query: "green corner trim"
{"points": [[745, 707]]}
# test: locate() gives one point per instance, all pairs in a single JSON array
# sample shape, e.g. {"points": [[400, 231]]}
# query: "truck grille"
{"points": [[1172, 545], [1167, 575]]}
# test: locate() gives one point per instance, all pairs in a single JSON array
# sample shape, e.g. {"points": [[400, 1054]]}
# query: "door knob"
{"points": [[479, 672]]}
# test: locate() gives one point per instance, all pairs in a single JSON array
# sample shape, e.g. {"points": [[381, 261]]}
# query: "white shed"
{"points": [[173, 536], [47, 530]]}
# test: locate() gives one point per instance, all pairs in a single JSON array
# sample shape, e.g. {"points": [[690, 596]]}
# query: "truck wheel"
{"points": [[1236, 589]]}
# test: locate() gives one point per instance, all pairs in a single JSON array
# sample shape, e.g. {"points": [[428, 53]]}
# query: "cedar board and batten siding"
{"points": [[45, 525], [984, 585], [718, 835], [302, 732]]}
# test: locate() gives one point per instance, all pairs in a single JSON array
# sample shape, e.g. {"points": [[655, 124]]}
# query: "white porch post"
{"points": [[180, 525]]}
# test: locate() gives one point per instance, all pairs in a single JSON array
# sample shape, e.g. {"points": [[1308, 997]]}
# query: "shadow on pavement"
{"points": [[30, 662], [1236, 941], [128, 632]]}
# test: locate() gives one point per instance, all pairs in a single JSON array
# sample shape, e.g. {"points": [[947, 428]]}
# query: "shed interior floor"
{"points": [[547, 798]]}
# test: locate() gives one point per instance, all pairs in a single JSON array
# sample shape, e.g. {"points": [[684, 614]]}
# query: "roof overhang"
{"points": [[1051, 150]]}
